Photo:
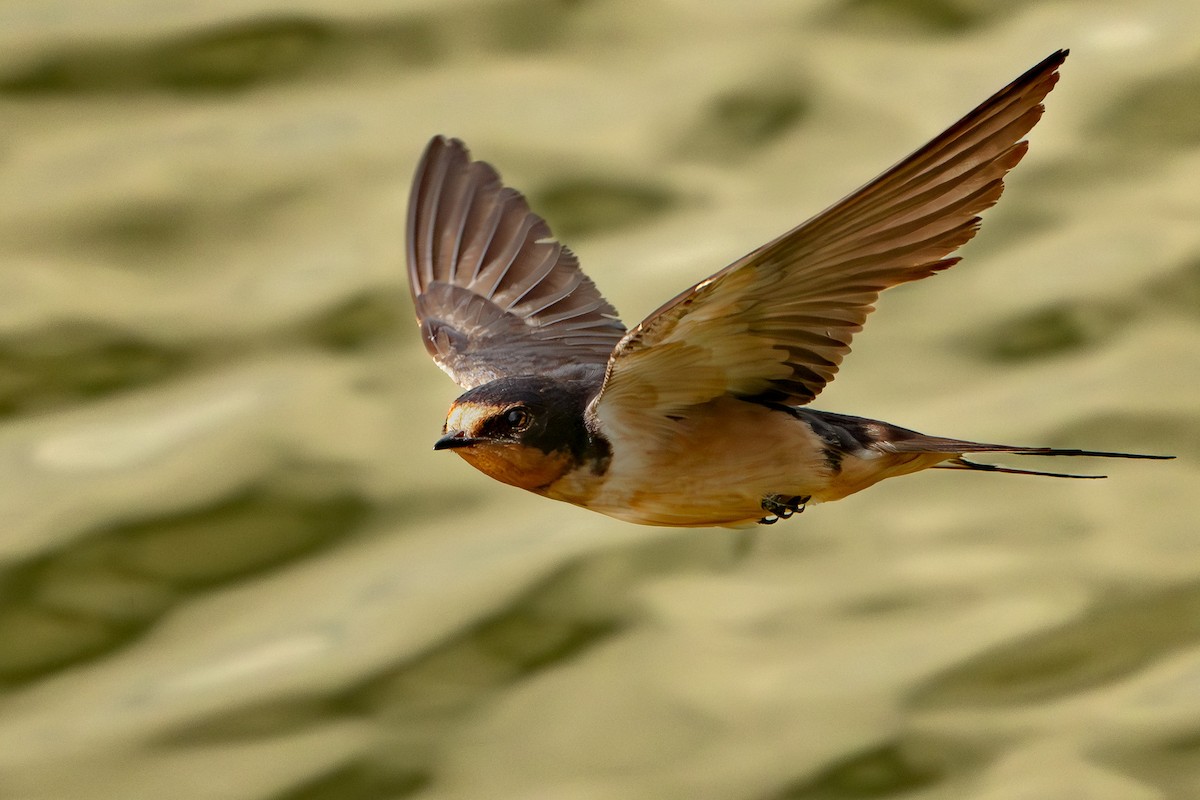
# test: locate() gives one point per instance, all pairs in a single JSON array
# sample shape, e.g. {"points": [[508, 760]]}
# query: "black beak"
{"points": [[454, 439]]}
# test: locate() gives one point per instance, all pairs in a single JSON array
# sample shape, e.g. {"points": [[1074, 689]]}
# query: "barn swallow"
{"points": [[699, 415]]}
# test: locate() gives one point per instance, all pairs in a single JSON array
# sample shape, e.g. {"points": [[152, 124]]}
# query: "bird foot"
{"points": [[780, 507]]}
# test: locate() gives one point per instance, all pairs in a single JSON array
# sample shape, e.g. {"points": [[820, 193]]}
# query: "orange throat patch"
{"points": [[517, 465]]}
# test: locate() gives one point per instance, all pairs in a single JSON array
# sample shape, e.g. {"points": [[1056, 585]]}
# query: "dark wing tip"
{"points": [[1056, 59], [1047, 67]]}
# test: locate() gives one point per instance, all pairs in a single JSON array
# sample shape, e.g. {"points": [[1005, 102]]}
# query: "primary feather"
{"points": [[495, 295], [776, 324]]}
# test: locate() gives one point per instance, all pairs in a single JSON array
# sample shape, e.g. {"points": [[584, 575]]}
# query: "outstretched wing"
{"points": [[495, 294], [775, 325]]}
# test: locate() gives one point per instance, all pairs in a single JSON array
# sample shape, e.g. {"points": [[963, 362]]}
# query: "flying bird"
{"points": [[699, 415]]}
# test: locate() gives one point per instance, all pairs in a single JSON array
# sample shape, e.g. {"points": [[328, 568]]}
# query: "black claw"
{"points": [[781, 507]]}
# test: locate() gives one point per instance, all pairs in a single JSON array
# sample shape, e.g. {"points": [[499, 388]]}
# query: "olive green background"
{"points": [[231, 566]]}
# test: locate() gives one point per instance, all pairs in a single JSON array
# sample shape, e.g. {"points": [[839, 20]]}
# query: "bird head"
{"points": [[526, 431]]}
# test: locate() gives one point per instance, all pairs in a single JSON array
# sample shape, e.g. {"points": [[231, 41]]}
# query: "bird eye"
{"points": [[518, 419]]}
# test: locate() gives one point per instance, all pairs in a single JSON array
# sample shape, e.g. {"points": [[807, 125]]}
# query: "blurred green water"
{"points": [[233, 568]]}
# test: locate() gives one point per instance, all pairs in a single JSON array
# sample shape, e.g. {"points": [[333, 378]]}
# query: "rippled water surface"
{"points": [[231, 566]]}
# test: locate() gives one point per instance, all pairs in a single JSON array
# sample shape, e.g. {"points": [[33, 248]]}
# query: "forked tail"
{"points": [[962, 463], [846, 434], [931, 444]]}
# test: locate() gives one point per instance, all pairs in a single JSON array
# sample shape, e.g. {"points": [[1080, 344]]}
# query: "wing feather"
{"points": [[776, 324], [495, 295]]}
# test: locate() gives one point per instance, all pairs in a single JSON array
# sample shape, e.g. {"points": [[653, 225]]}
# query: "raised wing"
{"points": [[775, 325], [495, 294]]}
